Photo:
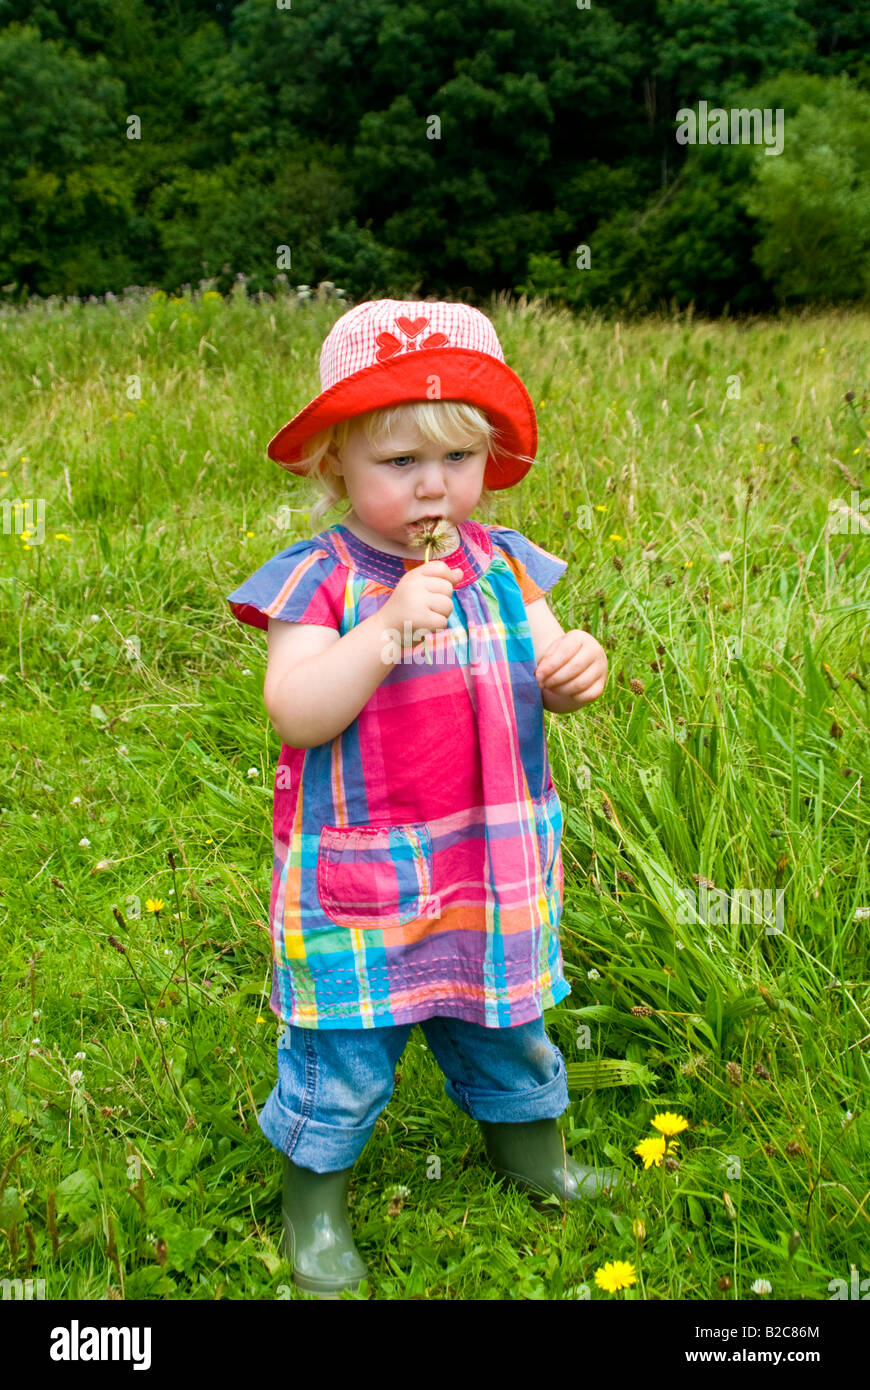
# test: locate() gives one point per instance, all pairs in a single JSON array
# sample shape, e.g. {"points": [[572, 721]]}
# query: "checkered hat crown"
{"points": [[384, 329]]}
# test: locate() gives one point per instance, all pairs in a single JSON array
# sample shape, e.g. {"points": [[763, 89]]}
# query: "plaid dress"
{"points": [[417, 863]]}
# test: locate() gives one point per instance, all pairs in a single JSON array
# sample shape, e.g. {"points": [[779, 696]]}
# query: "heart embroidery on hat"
{"points": [[389, 345], [411, 327]]}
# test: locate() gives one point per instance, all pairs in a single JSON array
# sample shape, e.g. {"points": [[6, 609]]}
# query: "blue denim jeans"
{"points": [[333, 1083]]}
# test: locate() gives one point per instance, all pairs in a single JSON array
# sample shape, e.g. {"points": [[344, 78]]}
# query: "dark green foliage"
{"points": [[400, 148]]}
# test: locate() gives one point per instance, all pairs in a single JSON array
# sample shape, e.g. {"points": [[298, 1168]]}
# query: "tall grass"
{"points": [[693, 475]]}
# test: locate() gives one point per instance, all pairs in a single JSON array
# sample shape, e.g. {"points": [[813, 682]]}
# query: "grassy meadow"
{"points": [[703, 480]]}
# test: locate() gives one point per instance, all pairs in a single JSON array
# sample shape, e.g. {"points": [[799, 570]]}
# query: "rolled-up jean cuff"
{"points": [[545, 1102], [310, 1143]]}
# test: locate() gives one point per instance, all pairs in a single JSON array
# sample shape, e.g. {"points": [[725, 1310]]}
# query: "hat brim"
{"points": [[426, 374]]}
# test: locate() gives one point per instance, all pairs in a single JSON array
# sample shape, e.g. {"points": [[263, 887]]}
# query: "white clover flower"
{"points": [[861, 914], [762, 1286], [94, 618], [246, 672], [80, 1056], [76, 1076], [76, 801], [725, 557], [847, 1117], [36, 1042], [124, 750], [679, 945], [161, 1023], [592, 975], [36, 1014], [253, 772], [84, 843]]}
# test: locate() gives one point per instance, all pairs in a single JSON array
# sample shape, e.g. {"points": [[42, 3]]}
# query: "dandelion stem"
{"points": [[171, 858]]}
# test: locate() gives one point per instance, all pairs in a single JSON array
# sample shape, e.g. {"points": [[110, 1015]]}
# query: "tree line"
{"points": [[401, 148]]}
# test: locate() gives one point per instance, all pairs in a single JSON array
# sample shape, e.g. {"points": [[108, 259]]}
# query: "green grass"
{"points": [[742, 764]]}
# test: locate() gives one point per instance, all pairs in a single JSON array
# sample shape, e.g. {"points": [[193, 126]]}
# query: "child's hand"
{"points": [[423, 598], [574, 666]]}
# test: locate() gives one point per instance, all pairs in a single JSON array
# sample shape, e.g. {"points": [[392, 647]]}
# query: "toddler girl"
{"points": [[417, 872]]}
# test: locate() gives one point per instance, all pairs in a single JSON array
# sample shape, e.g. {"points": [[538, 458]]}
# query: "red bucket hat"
{"points": [[390, 351]]}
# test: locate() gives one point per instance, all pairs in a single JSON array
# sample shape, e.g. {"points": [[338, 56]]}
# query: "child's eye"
{"points": [[458, 454]]}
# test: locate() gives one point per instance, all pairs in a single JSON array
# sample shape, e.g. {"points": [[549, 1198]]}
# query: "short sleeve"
{"points": [[304, 584], [535, 569]]}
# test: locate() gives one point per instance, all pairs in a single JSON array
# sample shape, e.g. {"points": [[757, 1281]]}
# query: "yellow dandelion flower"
{"points": [[687, 564], [615, 536], [599, 508], [24, 459], [60, 536], [616, 1274], [153, 904], [209, 842], [260, 1018], [3, 473], [250, 535], [668, 1123], [652, 1151], [542, 403]]}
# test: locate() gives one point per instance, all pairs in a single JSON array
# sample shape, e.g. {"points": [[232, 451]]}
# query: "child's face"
{"points": [[407, 479]]}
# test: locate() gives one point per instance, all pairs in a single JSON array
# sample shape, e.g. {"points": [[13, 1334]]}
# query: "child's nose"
{"points": [[432, 481]]}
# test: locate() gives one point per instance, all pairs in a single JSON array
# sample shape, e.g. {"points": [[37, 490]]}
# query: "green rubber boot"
{"points": [[318, 1240], [530, 1154]]}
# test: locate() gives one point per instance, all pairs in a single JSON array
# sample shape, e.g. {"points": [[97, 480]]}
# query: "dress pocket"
{"points": [[549, 821], [374, 875]]}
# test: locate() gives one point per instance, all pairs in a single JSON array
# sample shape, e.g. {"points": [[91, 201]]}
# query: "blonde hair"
{"points": [[450, 424]]}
